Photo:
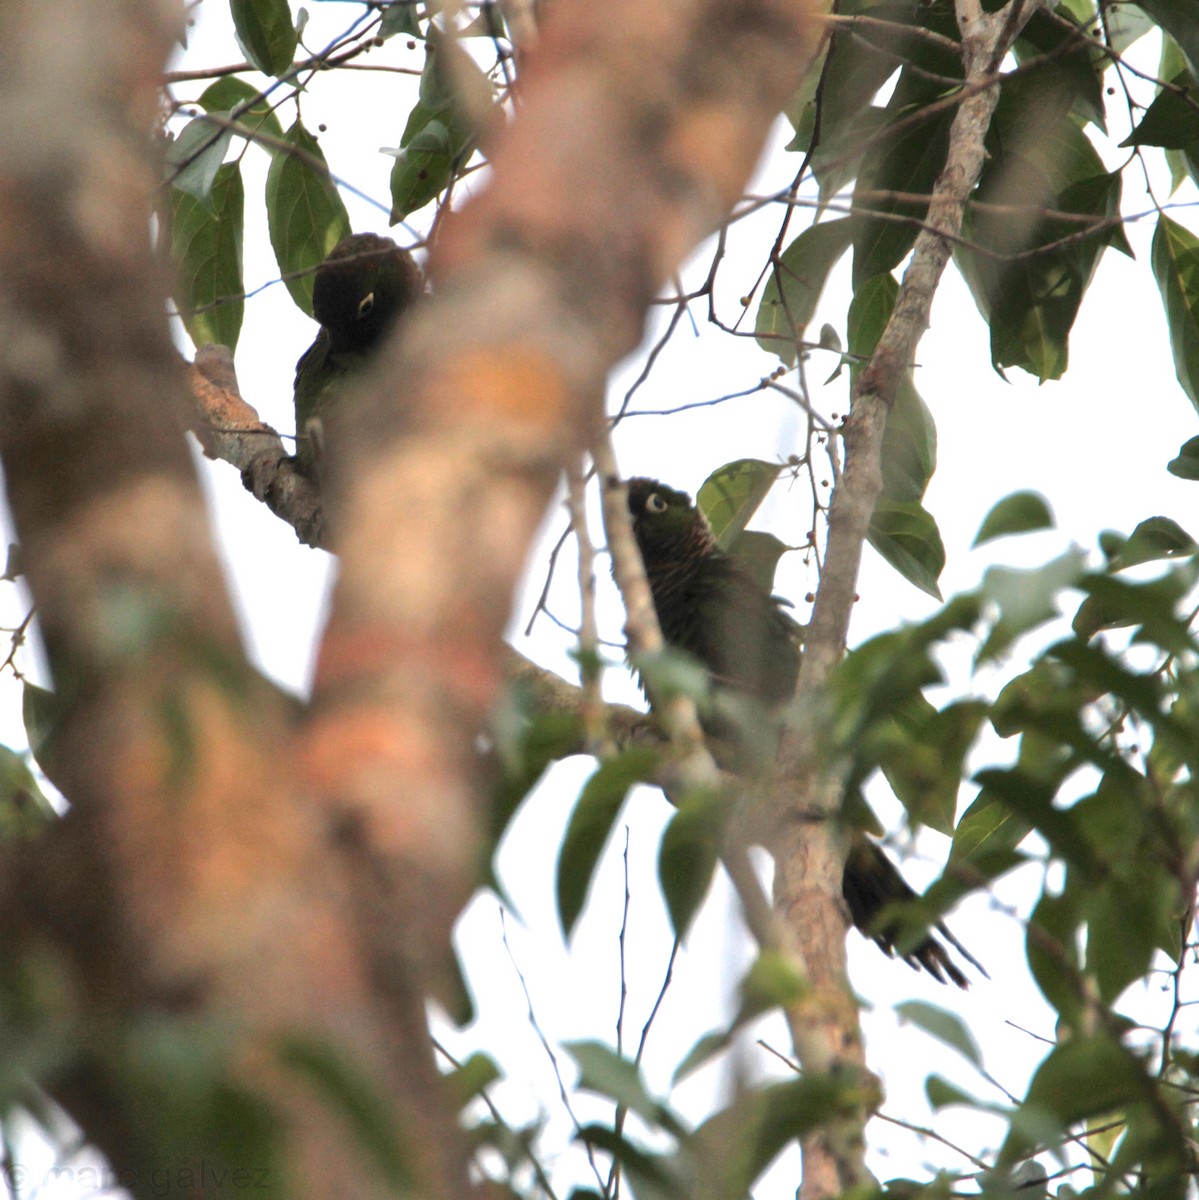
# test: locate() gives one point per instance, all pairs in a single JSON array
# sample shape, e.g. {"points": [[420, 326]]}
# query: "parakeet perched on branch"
{"points": [[360, 290], [709, 606]]}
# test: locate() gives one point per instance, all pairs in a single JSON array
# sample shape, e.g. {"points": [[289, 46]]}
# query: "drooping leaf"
{"points": [[1080, 1078], [795, 284], [1030, 270], [989, 827], [205, 250], [352, 1096], [471, 1078], [440, 130], [24, 810], [1054, 35], [925, 760], [905, 162], [422, 169], [732, 1148], [1021, 512], [245, 105], [1053, 954], [1177, 18], [305, 214], [1155, 538], [909, 455], [731, 495], [1186, 464], [759, 554], [688, 854], [195, 156], [1172, 120], [590, 824], [266, 33], [1027, 599], [400, 17], [945, 1026], [1175, 257], [607, 1073], [907, 537]]}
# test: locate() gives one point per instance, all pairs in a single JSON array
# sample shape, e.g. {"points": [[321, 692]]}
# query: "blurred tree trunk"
{"points": [[237, 924]]}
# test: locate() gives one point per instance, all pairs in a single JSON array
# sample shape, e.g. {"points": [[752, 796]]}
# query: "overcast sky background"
{"points": [[1096, 445]]}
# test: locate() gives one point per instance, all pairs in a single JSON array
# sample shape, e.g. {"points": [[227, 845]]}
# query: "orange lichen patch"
{"points": [[361, 657], [359, 736], [508, 383]]}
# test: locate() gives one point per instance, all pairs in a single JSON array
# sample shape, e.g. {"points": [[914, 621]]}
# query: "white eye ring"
{"points": [[365, 305], [654, 503]]}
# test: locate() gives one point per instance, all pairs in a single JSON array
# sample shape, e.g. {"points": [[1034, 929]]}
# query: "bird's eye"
{"points": [[654, 503], [365, 305]]}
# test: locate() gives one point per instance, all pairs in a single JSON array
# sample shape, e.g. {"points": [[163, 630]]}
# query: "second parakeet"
{"points": [[360, 290], [712, 608]]}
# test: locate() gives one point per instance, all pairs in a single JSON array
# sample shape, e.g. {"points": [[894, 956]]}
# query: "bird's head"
{"points": [[665, 522], [360, 289]]}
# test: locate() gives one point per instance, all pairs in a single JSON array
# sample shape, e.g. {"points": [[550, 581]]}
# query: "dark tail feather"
{"points": [[870, 884]]}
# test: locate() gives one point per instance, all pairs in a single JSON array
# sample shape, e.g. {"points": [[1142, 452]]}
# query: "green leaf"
{"points": [[1021, 512], [1186, 465], [1027, 598], [42, 713], [400, 17], [869, 311], [24, 810], [925, 759], [439, 133], [1081, 1078], [687, 857], [421, 170], [1153, 539], [195, 156], [1053, 954], [1175, 258], [906, 160], [1178, 19], [607, 1073], [731, 495], [1172, 120], [205, 248], [708, 1046], [941, 1093], [732, 1148], [1030, 271], [590, 824], [471, 1078], [759, 554], [908, 538], [528, 737], [266, 33], [244, 104], [945, 1026], [351, 1095], [1126, 916], [305, 213], [988, 827], [909, 455], [796, 281], [1054, 35]]}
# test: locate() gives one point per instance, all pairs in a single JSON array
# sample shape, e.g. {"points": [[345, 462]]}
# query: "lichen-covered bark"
{"points": [[273, 897], [635, 130]]}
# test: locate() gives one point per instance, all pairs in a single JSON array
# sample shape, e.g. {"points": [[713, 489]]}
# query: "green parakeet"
{"points": [[360, 290], [709, 606]]}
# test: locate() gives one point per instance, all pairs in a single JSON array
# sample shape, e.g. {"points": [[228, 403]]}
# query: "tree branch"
{"points": [[810, 853]]}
